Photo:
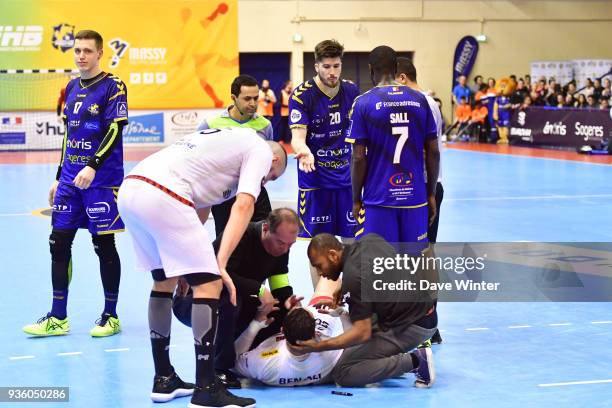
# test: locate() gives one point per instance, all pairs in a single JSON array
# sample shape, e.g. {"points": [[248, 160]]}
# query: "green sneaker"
{"points": [[106, 325], [48, 326], [425, 344]]}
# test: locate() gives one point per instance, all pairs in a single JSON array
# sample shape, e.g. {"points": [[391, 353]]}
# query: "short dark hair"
{"points": [[406, 67], [383, 60], [476, 78], [280, 215], [328, 49], [323, 242], [240, 81], [298, 325], [90, 35]]}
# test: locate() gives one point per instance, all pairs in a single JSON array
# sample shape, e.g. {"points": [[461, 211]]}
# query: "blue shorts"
{"points": [[504, 119], [93, 208], [394, 224], [326, 210]]}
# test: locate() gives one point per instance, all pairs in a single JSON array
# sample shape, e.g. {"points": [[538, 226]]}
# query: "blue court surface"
{"points": [[493, 354]]}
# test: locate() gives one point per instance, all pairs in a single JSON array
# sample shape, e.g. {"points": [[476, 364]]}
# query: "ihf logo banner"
{"points": [[147, 128]]}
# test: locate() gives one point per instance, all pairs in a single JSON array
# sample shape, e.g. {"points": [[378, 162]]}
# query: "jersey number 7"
{"points": [[402, 132]]}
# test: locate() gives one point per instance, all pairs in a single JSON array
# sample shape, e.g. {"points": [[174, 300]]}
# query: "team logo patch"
{"points": [[227, 193], [94, 109], [122, 109], [296, 115], [97, 210], [63, 37]]}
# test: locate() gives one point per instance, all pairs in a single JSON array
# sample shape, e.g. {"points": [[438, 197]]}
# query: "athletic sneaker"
{"points": [[425, 344], [106, 325], [425, 372], [436, 338], [216, 396], [228, 379], [48, 326], [168, 388]]}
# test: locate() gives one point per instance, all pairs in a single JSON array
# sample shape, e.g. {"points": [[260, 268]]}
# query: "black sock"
{"points": [[110, 269], [160, 320], [204, 315]]}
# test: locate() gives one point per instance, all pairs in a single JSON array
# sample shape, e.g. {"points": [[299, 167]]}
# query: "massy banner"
{"points": [[170, 54], [465, 57]]}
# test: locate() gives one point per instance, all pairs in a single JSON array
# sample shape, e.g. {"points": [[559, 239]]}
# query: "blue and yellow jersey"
{"points": [[326, 120], [393, 122], [93, 114]]}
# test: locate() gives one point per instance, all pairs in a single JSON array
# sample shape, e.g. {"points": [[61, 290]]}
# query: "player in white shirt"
{"points": [[274, 362], [407, 75], [164, 201]]}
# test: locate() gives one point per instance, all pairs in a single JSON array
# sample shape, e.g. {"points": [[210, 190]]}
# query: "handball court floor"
{"points": [[493, 354]]}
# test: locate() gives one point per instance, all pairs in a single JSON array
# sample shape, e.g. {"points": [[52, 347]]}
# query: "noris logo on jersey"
{"points": [[401, 179]]}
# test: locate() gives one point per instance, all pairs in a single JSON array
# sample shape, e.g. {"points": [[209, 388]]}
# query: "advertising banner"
{"points": [[565, 127], [465, 57], [171, 55]]}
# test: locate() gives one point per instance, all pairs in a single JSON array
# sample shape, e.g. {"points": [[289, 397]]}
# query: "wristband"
{"points": [[262, 290]]}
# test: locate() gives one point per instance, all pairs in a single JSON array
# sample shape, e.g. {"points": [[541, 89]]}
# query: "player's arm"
{"points": [[298, 123], [359, 169], [432, 164], [58, 174], [360, 332]]}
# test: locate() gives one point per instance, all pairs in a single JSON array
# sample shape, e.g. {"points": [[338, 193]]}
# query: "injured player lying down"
{"points": [[274, 362]]}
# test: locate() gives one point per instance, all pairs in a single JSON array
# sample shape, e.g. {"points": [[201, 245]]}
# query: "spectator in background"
{"points": [[537, 99], [285, 136], [475, 128], [463, 113], [571, 88], [551, 92], [517, 98], [606, 87], [513, 77], [560, 101], [478, 81], [540, 87], [589, 88], [528, 81], [581, 101], [569, 100], [444, 122], [597, 88], [481, 94], [266, 101], [527, 101], [461, 90], [604, 104], [490, 104], [591, 102]]}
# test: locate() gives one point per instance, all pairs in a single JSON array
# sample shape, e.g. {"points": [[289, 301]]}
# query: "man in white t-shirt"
{"points": [[164, 201], [274, 362], [407, 75]]}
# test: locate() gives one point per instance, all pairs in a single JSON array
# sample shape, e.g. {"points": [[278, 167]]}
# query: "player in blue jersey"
{"points": [[393, 131], [318, 118], [85, 191]]}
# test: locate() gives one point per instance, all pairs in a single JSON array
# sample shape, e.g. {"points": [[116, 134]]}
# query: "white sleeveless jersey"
{"points": [[272, 364], [210, 166], [435, 111]]}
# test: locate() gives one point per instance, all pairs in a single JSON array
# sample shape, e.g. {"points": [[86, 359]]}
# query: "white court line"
{"points": [[70, 353], [602, 322], [477, 329], [561, 384], [21, 357], [117, 349], [543, 197], [523, 326], [560, 324]]}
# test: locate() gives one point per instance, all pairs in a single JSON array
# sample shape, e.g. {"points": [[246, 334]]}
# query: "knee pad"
{"points": [[60, 244], [104, 245]]}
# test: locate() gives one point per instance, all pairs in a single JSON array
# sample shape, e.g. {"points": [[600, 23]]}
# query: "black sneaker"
{"points": [[216, 396], [228, 379], [168, 388], [436, 338]]}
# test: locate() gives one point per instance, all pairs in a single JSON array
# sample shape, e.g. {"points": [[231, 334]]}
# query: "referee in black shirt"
{"points": [[377, 350], [262, 253]]}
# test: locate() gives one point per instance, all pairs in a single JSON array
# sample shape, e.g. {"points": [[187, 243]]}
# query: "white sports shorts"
{"points": [[166, 232]]}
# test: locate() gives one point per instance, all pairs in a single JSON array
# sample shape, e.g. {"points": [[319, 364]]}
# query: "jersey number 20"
{"points": [[402, 132]]}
